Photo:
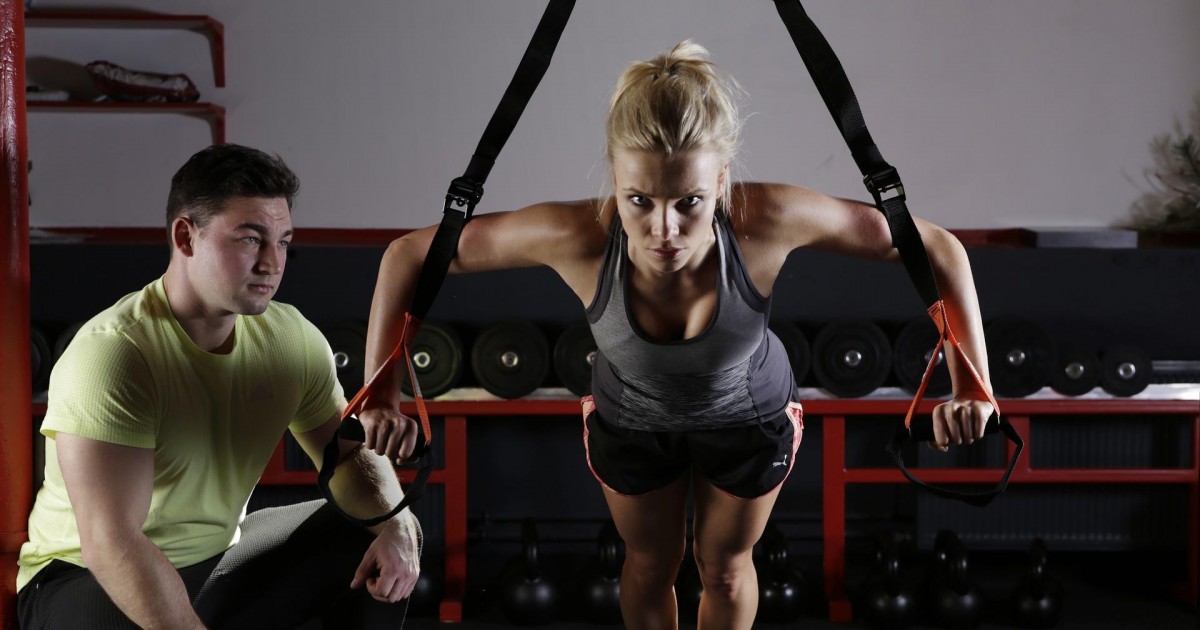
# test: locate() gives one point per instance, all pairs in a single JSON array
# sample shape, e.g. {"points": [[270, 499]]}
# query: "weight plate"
{"points": [[852, 358], [437, 355], [1020, 356], [796, 344], [1076, 370], [40, 360], [64, 338], [348, 340], [911, 352], [1125, 370], [511, 359], [574, 353]]}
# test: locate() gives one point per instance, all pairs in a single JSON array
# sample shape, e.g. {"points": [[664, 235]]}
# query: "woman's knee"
{"points": [[724, 575], [653, 567]]}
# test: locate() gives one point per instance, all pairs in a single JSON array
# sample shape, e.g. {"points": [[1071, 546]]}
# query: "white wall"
{"points": [[998, 113]]}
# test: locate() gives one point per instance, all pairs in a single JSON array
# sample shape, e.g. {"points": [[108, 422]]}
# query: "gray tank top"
{"points": [[736, 372]]}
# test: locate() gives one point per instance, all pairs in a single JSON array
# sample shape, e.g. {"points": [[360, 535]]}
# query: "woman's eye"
{"points": [[689, 202], [638, 200]]}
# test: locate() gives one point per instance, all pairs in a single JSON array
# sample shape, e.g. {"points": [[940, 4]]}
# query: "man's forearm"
{"points": [[142, 582], [365, 485]]}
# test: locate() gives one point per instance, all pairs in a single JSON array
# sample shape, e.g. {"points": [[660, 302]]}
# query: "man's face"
{"points": [[240, 255]]}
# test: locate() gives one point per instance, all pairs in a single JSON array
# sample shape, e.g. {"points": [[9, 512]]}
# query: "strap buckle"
{"points": [[463, 195], [884, 186]]}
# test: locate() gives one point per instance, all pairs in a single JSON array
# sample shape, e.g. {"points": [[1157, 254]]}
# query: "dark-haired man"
{"points": [[162, 415]]}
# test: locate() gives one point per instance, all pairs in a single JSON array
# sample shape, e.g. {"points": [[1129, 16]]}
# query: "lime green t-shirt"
{"points": [[132, 376]]}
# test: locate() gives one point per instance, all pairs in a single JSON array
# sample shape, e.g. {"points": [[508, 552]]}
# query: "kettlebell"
{"points": [[600, 593], [885, 601], [527, 597], [954, 600], [427, 594], [780, 588], [1037, 599]]}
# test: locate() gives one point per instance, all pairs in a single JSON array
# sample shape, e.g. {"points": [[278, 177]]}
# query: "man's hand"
{"points": [[959, 421], [389, 433], [392, 562]]}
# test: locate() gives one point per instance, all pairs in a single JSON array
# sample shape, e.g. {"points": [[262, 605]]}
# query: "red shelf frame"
{"points": [[213, 30], [836, 476], [214, 115]]}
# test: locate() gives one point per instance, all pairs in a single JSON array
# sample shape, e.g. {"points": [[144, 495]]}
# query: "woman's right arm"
{"points": [[561, 235]]}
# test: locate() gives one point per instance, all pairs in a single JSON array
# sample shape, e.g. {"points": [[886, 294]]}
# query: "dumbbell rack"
{"points": [[833, 414], [1020, 413]]}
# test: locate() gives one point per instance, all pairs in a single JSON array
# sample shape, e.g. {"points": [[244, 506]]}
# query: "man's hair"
{"points": [[212, 176]]}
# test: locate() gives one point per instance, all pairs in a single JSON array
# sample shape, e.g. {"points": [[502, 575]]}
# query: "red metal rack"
{"points": [[453, 478], [836, 476]]}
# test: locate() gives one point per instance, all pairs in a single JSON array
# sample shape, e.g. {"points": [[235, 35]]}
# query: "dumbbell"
{"points": [[511, 359], [911, 353], [1021, 356], [851, 358], [574, 354], [438, 361]]}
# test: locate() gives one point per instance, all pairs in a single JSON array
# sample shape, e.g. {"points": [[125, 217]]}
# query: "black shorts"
{"points": [[743, 461]]}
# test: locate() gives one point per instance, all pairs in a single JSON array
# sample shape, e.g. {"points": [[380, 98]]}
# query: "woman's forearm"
{"points": [[394, 290], [952, 269]]}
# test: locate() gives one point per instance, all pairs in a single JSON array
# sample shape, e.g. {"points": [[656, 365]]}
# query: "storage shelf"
{"points": [[213, 114], [1006, 238], [213, 30]]}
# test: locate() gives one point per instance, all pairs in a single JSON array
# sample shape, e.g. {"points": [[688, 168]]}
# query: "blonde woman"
{"points": [[675, 270]]}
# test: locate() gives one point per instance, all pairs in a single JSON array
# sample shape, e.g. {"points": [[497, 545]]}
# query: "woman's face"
{"points": [[666, 204]]}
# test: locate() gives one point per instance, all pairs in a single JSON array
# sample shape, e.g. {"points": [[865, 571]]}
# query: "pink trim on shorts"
{"points": [[589, 405], [795, 413]]}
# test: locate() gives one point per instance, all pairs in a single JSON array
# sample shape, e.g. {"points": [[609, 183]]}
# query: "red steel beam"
{"points": [[16, 424]]}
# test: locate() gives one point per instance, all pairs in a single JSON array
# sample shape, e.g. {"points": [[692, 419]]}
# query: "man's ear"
{"points": [[183, 234]]}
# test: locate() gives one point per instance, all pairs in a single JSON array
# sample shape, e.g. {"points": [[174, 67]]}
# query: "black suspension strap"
{"points": [[883, 182], [464, 193]]}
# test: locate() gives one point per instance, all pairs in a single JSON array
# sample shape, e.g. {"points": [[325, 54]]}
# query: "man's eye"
{"points": [[285, 244], [251, 240]]}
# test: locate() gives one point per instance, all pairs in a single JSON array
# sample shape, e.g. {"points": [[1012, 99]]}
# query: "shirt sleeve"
{"points": [[322, 396], [102, 389]]}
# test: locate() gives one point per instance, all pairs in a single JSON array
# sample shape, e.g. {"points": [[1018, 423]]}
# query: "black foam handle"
{"points": [[921, 429], [351, 429]]}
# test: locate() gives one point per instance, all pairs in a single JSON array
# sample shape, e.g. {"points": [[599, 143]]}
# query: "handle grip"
{"points": [[921, 429]]}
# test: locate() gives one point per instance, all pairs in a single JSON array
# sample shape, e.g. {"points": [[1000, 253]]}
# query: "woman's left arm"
{"points": [[779, 218]]}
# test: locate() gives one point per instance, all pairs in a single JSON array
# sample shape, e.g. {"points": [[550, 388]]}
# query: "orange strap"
{"points": [[408, 332], [942, 321]]}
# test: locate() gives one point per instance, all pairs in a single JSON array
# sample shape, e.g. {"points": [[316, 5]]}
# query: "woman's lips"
{"points": [[666, 253]]}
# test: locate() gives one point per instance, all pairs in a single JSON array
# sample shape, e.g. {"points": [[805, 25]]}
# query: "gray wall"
{"points": [[1015, 113]]}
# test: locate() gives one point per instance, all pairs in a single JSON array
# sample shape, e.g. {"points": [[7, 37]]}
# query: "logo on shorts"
{"points": [[780, 463]]}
